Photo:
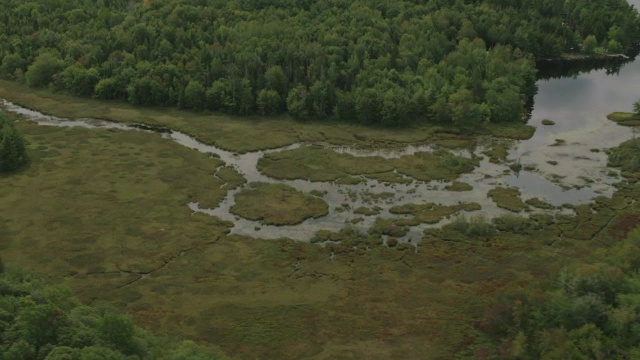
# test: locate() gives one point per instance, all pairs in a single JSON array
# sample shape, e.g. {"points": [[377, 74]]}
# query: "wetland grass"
{"points": [[321, 164], [458, 186], [540, 204], [107, 211], [94, 219], [626, 157], [624, 118], [432, 213], [277, 204], [497, 151], [507, 198], [367, 211]]}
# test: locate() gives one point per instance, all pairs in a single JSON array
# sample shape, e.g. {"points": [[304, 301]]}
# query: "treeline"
{"points": [[368, 61], [588, 311], [41, 321]]}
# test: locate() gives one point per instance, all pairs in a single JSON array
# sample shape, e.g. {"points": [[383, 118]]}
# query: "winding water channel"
{"points": [[577, 105]]}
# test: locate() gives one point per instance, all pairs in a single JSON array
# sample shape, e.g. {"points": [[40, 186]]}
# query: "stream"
{"points": [[574, 146]]}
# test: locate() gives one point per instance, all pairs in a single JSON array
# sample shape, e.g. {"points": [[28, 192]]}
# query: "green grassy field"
{"points": [[104, 212]]}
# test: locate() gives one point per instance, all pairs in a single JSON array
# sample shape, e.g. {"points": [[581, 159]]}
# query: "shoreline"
{"points": [[586, 57]]}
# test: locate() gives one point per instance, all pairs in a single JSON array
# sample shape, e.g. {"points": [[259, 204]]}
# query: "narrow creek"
{"points": [[566, 162]]}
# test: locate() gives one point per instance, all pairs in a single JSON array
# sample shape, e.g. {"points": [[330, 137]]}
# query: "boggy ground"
{"points": [[105, 213]]}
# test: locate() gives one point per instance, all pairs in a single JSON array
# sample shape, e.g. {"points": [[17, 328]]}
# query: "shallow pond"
{"points": [[574, 146]]}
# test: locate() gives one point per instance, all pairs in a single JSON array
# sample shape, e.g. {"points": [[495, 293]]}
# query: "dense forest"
{"points": [[43, 321], [368, 61]]}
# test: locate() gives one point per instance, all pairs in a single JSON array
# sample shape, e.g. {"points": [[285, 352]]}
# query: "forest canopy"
{"points": [[366, 61]]}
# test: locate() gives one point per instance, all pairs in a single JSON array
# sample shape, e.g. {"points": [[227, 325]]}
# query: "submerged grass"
{"points": [[277, 204]]}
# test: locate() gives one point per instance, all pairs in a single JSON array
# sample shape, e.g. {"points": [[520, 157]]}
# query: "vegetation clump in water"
{"points": [[390, 227], [507, 198], [626, 156], [321, 164], [458, 186], [625, 119], [498, 151], [540, 204], [277, 204], [432, 213], [367, 211]]}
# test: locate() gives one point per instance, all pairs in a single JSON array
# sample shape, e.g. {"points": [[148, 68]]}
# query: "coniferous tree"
{"points": [[13, 152]]}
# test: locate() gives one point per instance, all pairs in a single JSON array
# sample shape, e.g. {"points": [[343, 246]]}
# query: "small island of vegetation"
{"points": [[627, 118], [277, 204]]}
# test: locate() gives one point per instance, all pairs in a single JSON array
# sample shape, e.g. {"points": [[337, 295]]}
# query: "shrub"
{"points": [[13, 152], [513, 224], [626, 156]]}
